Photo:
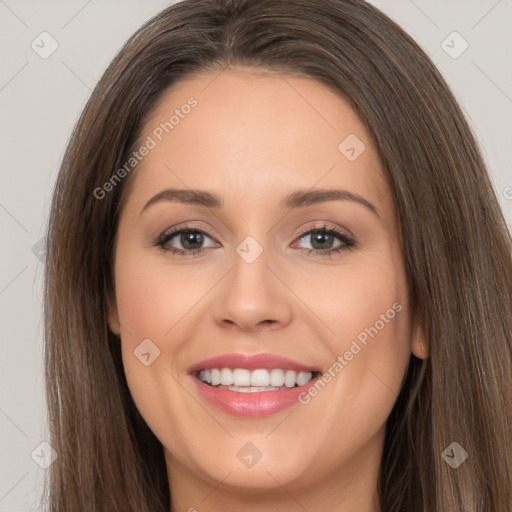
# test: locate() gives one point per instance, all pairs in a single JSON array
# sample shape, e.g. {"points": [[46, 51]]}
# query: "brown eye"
{"points": [[189, 241], [323, 240]]}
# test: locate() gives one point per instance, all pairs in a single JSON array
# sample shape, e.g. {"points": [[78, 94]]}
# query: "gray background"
{"points": [[40, 100]]}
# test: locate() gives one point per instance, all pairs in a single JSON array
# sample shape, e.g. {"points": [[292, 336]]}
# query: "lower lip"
{"points": [[259, 403]]}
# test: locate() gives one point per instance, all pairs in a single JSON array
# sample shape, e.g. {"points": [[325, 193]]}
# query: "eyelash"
{"points": [[348, 243]]}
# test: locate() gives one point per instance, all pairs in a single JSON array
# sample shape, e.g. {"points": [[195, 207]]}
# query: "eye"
{"points": [[190, 241], [323, 239], [189, 238]]}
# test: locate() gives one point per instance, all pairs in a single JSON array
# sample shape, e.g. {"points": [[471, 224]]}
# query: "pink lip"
{"points": [[251, 362], [260, 403]]}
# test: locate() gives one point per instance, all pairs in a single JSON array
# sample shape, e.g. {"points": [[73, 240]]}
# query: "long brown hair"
{"points": [[455, 240]]}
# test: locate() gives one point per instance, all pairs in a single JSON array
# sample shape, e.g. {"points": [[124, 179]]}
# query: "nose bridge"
{"points": [[250, 250], [250, 280], [252, 294]]}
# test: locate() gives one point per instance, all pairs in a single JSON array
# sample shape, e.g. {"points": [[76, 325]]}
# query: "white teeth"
{"points": [[215, 377], [289, 379], [226, 377], [250, 389], [260, 378], [303, 378], [241, 377], [254, 380], [276, 377]]}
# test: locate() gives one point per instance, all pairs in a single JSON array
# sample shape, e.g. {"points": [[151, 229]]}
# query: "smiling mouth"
{"points": [[243, 380]]}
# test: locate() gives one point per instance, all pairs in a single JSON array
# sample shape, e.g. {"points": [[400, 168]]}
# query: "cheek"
{"points": [[358, 299], [365, 313], [151, 300], [152, 296], [371, 307], [375, 325], [366, 310], [156, 301]]}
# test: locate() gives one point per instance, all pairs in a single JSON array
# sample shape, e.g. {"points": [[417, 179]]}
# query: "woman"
{"points": [[198, 355]]}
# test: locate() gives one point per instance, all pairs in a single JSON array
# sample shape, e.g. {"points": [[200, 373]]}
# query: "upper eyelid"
{"points": [[326, 227]]}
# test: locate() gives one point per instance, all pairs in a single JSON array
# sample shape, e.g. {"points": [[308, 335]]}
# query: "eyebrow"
{"points": [[297, 199]]}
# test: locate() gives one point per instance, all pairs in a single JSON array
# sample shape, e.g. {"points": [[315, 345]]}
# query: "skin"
{"points": [[254, 138]]}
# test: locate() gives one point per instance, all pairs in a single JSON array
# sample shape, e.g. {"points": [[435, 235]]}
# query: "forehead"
{"points": [[259, 135]]}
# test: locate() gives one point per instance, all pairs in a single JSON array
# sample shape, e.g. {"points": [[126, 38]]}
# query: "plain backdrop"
{"points": [[41, 99]]}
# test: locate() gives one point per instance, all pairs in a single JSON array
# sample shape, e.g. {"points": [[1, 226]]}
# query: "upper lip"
{"points": [[251, 362]]}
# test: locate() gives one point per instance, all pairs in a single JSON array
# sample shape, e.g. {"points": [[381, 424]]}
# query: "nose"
{"points": [[252, 298]]}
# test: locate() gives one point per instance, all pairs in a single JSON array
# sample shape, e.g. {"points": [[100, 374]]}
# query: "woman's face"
{"points": [[256, 279]]}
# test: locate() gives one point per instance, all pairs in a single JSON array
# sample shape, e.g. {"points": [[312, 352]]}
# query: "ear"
{"points": [[420, 346], [113, 317]]}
